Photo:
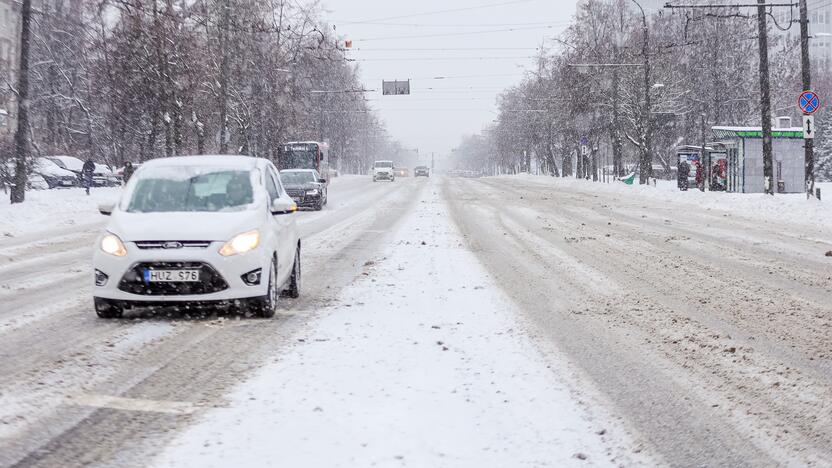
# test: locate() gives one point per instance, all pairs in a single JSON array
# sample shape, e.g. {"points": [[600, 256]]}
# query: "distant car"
{"points": [[198, 231], [306, 187], [104, 177], [421, 171], [383, 170], [402, 172], [54, 175]]}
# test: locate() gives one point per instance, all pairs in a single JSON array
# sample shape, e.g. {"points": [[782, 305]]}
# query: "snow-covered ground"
{"points": [[424, 361], [787, 208], [53, 209]]}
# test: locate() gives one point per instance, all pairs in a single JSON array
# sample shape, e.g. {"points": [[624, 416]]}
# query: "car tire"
{"points": [[108, 309], [264, 307], [319, 206], [293, 289]]}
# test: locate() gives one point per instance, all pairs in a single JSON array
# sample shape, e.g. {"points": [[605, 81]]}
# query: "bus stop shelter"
{"points": [[742, 149]]}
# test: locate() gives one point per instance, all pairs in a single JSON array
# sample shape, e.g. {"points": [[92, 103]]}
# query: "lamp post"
{"points": [[646, 170]]}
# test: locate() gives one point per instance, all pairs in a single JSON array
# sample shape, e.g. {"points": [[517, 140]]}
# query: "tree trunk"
{"points": [[21, 136]]}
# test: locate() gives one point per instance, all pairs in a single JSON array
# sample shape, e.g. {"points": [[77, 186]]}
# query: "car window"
{"points": [[271, 186]]}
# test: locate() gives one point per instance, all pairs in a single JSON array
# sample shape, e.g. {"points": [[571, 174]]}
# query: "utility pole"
{"points": [[21, 135], [765, 98], [225, 21], [807, 86], [704, 164]]}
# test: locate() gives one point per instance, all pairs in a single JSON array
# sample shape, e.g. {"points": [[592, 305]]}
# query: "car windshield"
{"points": [[297, 177], [181, 189], [384, 164], [56, 162], [298, 158], [47, 164]]}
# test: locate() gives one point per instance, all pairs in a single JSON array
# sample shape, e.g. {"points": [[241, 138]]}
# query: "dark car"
{"points": [[306, 187], [421, 171]]}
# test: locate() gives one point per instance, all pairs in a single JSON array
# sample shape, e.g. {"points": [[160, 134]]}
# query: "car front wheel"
{"points": [[265, 306]]}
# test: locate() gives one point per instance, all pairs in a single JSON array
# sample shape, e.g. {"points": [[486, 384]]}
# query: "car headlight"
{"points": [[112, 245], [312, 192], [240, 244]]}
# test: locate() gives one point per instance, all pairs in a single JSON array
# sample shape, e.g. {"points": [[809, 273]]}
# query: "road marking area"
{"points": [[132, 404]]}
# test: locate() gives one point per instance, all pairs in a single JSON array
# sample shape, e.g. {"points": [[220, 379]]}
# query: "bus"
{"points": [[304, 155]]}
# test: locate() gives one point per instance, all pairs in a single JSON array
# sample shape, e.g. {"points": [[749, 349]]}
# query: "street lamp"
{"points": [[646, 169]]}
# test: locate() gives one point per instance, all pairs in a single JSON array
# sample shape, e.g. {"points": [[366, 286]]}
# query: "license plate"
{"points": [[171, 276], [66, 182]]}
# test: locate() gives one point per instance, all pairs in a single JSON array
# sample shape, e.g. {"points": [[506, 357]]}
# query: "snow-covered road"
{"points": [[710, 331], [444, 322]]}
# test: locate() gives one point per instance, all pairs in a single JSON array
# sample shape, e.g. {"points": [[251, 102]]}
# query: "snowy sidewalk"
{"points": [[422, 363]]}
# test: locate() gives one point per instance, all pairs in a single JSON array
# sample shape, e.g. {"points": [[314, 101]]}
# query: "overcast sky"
{"points": [[439, 112]]}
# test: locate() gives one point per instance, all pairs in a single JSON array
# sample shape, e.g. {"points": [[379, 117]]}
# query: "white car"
{"points": [[54, 175], [383, 170], [199, 231]]}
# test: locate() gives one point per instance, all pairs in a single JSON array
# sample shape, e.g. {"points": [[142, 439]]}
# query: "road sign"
{"points": [[584, 141], [395, 88], [809, 102], [809, 129]]}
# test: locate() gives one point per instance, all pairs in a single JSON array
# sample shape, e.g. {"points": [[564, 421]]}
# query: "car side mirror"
{"points": [[106, 208], [322, 181], [282, 206]]}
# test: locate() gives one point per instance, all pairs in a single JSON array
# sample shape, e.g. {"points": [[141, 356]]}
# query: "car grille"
{"points": [[168, 245], [210, 281], [296, 193]]}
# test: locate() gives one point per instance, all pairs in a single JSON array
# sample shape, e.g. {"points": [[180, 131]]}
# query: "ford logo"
{"points": [[172, 245]]}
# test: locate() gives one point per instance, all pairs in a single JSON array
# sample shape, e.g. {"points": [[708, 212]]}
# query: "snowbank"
{"points": [[46, 210], [787, 208], [423, 362]]}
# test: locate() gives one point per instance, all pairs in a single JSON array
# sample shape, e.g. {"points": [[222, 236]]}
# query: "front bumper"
{"points": [[221, 277], [383, 176], [308, 201]]}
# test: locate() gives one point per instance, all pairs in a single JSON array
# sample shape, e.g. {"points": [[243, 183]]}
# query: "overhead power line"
{"points": [[435, 49], [468, 33], [438, 12], [462, 25], [438, 59]]}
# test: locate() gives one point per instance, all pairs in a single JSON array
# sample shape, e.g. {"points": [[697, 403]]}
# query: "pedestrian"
{"points": [[86, 174], [700, 176], [684, 174], [128, 172], [715, 179]]}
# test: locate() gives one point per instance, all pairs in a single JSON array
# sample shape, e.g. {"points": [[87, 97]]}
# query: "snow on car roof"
{"points": [[247, 162]]}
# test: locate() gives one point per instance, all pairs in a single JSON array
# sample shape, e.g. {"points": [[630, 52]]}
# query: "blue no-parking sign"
{"points": [[809, 102]]}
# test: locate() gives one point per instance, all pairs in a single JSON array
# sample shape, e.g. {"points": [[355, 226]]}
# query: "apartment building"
{"points": [[9, 43]]}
